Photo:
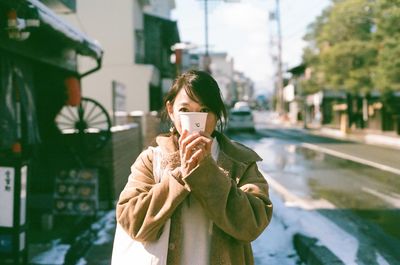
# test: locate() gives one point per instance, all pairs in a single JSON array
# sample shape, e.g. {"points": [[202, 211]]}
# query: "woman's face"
{"points": [[183, 103]]}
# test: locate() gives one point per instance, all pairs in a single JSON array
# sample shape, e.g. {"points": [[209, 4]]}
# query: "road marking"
{"points": [[387, 198], [292, 200], [313, 224], [346, 246], [352, 158]]}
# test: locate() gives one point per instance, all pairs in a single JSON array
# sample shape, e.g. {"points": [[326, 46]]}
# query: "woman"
{"points": [[210, 188]]}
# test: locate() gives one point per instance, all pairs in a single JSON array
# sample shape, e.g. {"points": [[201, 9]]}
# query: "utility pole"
{"points": [[279, 100], [207, 60]]}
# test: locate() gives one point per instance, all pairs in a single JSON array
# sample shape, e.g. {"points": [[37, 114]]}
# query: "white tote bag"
{"points": [[127, 251]]}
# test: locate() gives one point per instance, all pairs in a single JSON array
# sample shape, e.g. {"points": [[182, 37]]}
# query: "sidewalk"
{"points": [[384, 139], [373, 137]]}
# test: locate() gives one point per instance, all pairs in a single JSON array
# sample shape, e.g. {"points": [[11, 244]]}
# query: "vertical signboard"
{"points": [[24, 173], [13, 204], [118, 100], [7, 176]]}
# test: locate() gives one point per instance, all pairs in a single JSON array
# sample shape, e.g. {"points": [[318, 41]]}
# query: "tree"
{"points": [[387, 38], [341, 51]]}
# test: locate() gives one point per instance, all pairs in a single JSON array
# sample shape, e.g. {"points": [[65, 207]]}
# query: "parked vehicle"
{"points": [[241, 118], [242, 105]]}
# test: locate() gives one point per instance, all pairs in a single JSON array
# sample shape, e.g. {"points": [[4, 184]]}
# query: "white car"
{"points": [[241, 104], [241, 118]]}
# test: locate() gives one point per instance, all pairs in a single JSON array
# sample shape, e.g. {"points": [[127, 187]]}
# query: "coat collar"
{"points": [[236, 151]]}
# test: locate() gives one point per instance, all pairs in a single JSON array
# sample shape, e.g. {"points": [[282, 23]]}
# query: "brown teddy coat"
{"points": [[232, 191]]}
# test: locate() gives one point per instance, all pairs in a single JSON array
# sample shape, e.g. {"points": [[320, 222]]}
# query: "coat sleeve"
{"points": [[242, 210], [144, 205]]}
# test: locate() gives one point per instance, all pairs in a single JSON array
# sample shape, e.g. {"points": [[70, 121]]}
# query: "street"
{"points": [[317, 176], [349, 207]]}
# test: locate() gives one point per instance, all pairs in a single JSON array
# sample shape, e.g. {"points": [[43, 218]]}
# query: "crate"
{"points": [[76, 192]]}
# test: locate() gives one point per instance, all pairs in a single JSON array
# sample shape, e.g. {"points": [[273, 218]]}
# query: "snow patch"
{"points": [[55, 255], [274, 246], [103, 228], [313, 224], [81, 261]]}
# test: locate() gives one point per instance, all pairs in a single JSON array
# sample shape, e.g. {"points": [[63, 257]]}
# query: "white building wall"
{"points": [[244, 87], [137, 15], [160, 8], [113, 24], [222, 70]]}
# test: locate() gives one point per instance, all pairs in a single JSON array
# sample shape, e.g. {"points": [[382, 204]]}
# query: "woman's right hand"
{"points": [[193, 148]]}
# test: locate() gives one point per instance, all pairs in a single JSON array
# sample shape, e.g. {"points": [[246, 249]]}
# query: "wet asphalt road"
{"points": [[335, 179]]}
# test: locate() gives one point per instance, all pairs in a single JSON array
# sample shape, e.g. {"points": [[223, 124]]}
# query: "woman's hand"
{"points": [[193, 149]]}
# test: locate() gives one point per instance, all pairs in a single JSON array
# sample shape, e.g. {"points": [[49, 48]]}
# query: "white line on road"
{"points": [[386, 197], [313, 224], [292, 200], [352, 158]]}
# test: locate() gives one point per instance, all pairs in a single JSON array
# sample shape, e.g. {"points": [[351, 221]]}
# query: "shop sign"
{"points": [[7, 175]]}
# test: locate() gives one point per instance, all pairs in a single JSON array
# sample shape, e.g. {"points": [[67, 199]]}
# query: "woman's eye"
{"points": [[205, 110], [183, 110]]}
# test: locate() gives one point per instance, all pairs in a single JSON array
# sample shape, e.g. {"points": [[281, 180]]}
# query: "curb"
{"points": [[312, 253], [365, 138]]}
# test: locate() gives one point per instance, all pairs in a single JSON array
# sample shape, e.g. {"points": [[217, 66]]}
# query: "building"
{"points": [[221, 67], [137, 50], [160, 8], [243, 87], [39, 52]]}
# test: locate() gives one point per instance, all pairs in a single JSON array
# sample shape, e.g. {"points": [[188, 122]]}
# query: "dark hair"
{"points": [[202, 88]]}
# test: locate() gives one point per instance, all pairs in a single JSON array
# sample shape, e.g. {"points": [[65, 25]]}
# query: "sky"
{"points": [[244, 31]]}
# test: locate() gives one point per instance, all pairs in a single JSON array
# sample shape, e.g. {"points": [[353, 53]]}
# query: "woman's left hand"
{"points": [[193, 148]]}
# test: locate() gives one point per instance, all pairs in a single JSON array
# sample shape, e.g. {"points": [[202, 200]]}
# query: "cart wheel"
{"points": [[89, 124]]}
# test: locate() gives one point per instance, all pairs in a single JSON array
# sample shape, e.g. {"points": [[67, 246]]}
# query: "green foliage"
{"points": [[387, 18], [349, 65], [355, 45], [387, 38], [347, 20], [310, 86], [387, 74]]}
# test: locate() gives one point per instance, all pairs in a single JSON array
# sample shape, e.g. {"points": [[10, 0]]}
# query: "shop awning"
{"points": [[83, 44]]}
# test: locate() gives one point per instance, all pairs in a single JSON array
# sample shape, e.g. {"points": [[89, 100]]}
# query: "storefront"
{"points": [[39, 56]]}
